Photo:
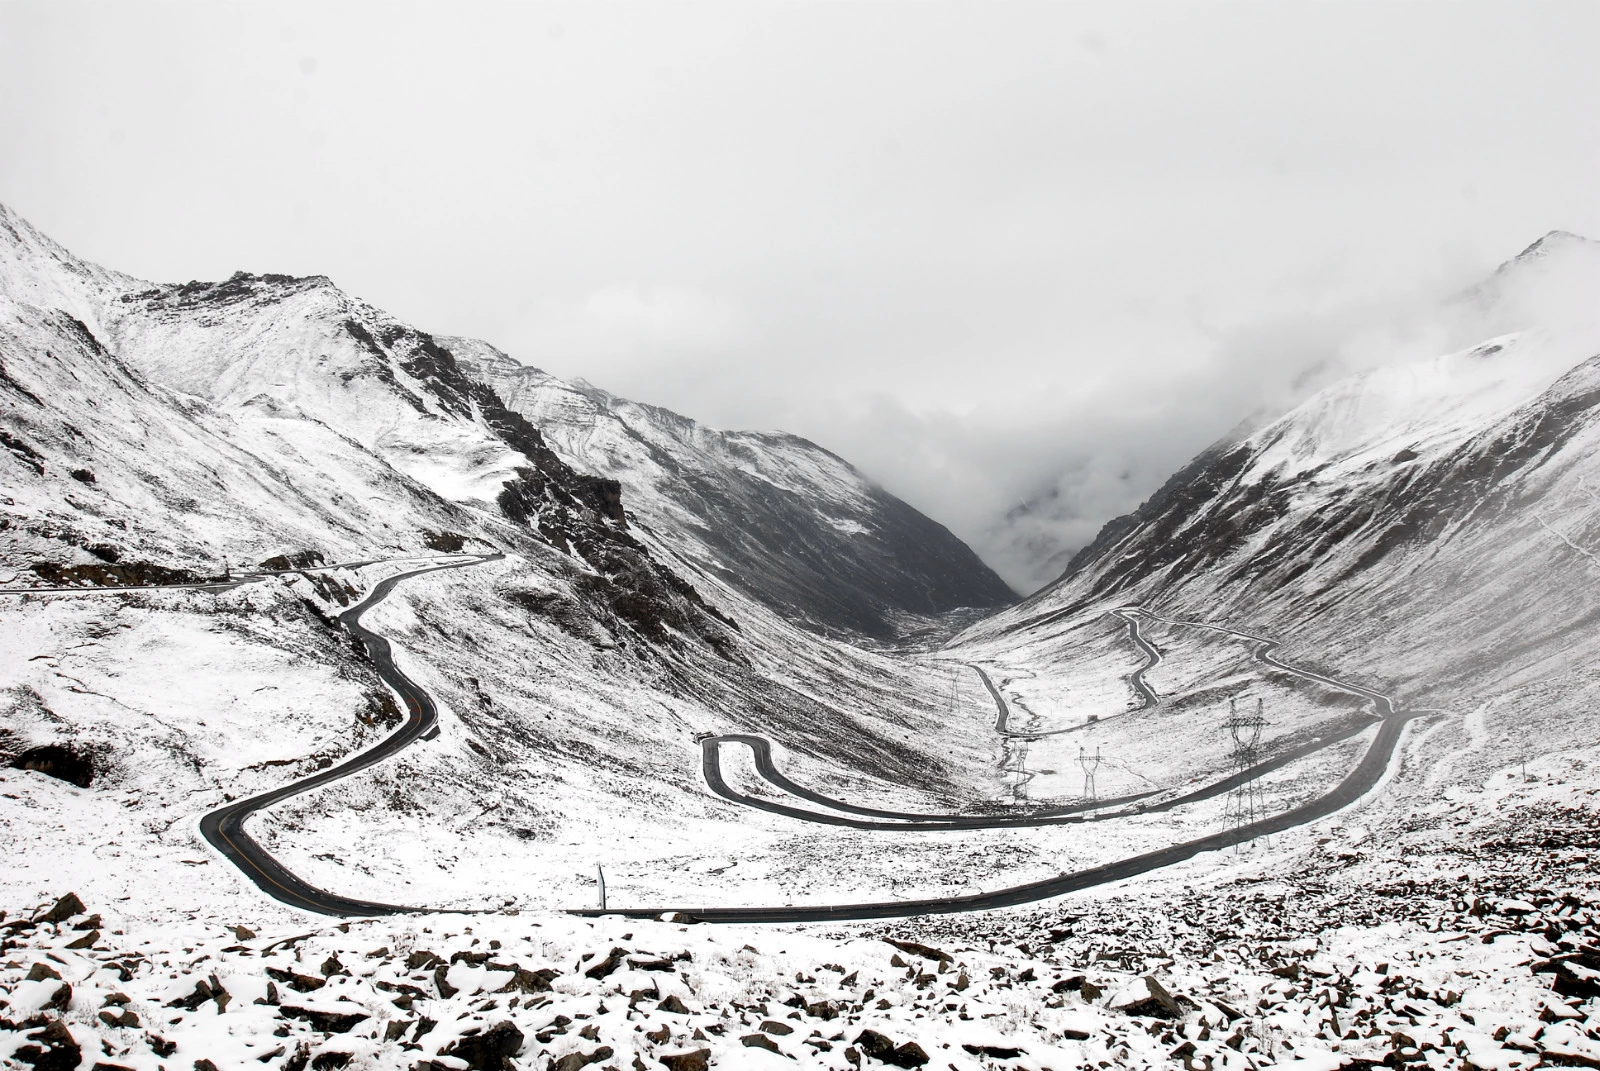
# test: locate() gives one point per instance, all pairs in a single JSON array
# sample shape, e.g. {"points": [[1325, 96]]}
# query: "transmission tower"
{"points": [[1090, 764], [1245, 803]]}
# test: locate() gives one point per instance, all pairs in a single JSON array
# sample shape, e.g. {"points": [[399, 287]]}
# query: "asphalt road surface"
{"points": [[1359, 781], [224, 827]]}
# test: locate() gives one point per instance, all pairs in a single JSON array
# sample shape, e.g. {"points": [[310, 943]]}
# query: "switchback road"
{"points": [[1359, 781], [224, 827]]}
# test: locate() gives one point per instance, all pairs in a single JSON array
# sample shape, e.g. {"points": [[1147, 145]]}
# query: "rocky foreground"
{"points": [[1484, 953]]}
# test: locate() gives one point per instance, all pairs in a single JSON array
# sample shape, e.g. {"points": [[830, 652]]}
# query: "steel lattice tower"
{"points": [[1090, 764], [1245, 803]]}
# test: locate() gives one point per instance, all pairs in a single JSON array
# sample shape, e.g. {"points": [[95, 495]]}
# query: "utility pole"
{"points": [[601, 872]]}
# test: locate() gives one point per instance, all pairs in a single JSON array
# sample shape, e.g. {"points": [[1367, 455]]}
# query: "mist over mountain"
{"points": [[367, 693]]}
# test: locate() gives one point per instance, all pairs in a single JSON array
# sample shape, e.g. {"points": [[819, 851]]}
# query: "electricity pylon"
{"points": [[1245, 803], [1090, 764]]}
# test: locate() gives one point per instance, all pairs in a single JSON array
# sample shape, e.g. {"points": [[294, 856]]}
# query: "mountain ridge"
{"points": [[792, 524]]}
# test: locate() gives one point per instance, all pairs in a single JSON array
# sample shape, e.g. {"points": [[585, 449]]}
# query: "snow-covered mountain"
{"points": [[780, 518], [1418, 546], [167, 432], [1434, 522]]}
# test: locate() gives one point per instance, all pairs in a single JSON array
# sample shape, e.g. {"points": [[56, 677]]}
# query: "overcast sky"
{"points": [[988, 252]]}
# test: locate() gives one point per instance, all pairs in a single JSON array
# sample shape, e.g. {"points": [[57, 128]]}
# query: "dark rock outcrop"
{"points": [[63, 762]]}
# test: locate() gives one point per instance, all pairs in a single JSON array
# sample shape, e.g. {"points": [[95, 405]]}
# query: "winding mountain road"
{"points": [[224, 828], [1358, 782]]}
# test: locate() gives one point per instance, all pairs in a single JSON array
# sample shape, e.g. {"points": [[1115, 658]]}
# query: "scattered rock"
{"points": [[651, 964], [606, 966], [69, 905], [759, 1041], [674, 1005], [576, 1061], [330, 1060], [492, 1050], [54, 1048], [772, 1026], [204, 990], [998, 1052], [881, 1048], [697, 1060], [86, 941], [1160, 1004], [925, 951], [526, 981], [421, 960], [300, 983], [329, 1022]]}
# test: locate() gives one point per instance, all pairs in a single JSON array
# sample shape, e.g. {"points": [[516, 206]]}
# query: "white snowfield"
{"points": [[183, 432]]}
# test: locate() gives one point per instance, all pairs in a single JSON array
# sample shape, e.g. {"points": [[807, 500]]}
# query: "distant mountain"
{"points": [[777, 517], [298, 410], [1450, 505]]}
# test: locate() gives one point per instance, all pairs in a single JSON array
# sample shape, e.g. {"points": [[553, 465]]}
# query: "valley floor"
{"points": [[1443, 919]]}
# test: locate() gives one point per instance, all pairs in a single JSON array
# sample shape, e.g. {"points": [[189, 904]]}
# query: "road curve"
{"points": [[1105, 809], [224, 829], [1365, 776]]}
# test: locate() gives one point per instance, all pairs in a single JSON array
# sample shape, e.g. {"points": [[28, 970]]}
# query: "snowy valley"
{"points": [[716, 754]]}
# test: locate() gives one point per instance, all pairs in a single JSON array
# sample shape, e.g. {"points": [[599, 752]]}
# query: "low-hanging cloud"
{"points": [[1018, 262]]}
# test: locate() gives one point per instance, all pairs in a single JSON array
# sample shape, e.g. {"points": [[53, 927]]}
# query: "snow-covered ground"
{"points": [[1370, 941], [1430, 533]]}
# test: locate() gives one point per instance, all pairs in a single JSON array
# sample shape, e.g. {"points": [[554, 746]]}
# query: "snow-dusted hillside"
{"points": [[1398, 572], [778, 517], [1431, 529]]}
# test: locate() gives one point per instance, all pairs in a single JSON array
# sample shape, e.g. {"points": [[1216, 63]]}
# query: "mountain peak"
{"points": [[1554, 242]]}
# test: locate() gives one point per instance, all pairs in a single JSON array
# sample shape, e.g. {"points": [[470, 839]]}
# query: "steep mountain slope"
{"points": [[155, 433], [1417, 547], [1432, 528], [780, 518], [335, 405]]}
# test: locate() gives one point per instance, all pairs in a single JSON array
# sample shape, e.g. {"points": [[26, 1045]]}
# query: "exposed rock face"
{"points": [[58, 761], [783, 520], [267, 360]]}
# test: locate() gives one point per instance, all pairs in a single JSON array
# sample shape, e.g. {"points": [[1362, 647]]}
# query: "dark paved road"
{"points": [[224, 827], [1367, 773]]}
